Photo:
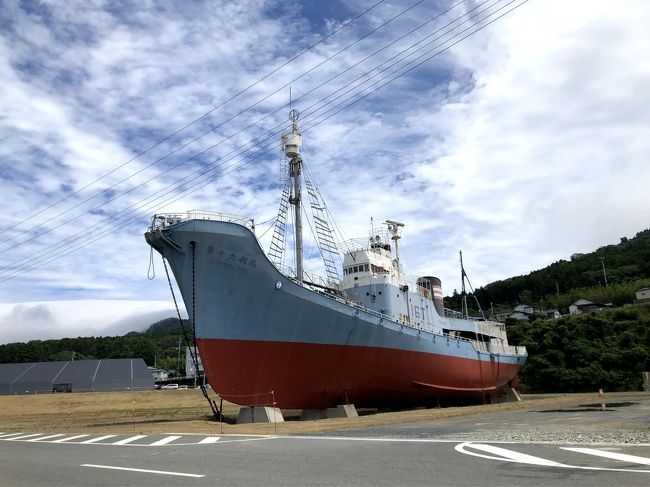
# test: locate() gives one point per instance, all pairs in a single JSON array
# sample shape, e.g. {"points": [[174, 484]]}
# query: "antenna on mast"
{"points": [[291, 142], [394, 228]]}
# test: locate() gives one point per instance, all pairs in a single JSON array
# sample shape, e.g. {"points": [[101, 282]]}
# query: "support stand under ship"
{"points": [[376, 337]]}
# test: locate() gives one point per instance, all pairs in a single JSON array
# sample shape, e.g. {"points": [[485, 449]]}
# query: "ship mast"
{"points": [[291, 142], [463, 294]]}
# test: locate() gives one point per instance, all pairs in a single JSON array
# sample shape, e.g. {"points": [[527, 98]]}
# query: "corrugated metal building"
{"points": [[75, 376]]}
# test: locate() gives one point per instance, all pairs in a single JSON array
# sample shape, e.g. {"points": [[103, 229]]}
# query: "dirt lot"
{"points": [[186, 411]]}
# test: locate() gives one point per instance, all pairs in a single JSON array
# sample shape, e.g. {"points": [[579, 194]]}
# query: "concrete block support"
{"points": [[260, 414], [342, 411], [311, 415]]}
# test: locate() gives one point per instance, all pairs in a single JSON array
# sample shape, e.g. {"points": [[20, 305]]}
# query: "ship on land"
{"points": [[373, 337]]}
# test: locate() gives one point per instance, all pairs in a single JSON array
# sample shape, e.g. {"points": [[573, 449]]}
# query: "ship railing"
{"points": [[497, 348], [309, 277], [163, 220], [500, 347], [355, 244], [492, 328], [322, 282]]}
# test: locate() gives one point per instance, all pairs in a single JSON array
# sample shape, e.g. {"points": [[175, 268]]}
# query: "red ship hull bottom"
{"points": [[317, 376]]}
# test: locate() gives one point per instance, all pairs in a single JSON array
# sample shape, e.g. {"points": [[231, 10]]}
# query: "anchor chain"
{"points": [[193, 354]]}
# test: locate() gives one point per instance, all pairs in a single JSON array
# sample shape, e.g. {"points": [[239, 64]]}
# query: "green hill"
{"points": [[583, 353], [158, 346], [627, 266]]}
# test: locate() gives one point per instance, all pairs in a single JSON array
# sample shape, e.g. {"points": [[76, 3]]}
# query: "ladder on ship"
{"points": [[326, 244], [278, 243]]}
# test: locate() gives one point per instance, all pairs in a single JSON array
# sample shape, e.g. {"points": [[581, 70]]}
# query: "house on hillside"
{"points": [[585, 306], [523, 312], [643, 294], [503, 316], [552, 314]]}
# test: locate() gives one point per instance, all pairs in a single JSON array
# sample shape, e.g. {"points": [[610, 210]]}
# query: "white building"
{"points": [[643, 294], [159, 375], [190, 371], [585, 306]]}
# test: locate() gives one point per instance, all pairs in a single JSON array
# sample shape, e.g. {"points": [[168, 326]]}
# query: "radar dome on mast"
{"points": [[292, 141]]}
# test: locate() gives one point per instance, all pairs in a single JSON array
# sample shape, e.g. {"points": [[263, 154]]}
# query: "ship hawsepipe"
{"points": [[265, 339]]}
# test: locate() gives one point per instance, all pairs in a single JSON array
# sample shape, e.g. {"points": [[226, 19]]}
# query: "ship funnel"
{"points": [[434, 285]]}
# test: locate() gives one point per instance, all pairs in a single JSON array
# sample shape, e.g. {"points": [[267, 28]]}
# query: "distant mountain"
{"points": [[161, 345], [167, 326], [625, 262]]}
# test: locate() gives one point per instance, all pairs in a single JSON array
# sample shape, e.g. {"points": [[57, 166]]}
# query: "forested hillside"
{"points": [[583, 353], [159, 346], [627, 265]]}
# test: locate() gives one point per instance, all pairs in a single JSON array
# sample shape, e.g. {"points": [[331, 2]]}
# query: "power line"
{"points": [[189, 124], [40, 234], [208, 180], [384, 24], [17, 270]]}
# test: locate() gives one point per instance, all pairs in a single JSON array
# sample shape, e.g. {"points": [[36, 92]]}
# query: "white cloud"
{"points": [[521, 145], [61, 319]]}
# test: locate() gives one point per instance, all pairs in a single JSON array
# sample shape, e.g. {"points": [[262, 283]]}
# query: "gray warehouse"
{"points": [[75, 376]]}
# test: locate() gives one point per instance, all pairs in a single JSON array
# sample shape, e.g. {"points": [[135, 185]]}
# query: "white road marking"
{"points": [[25, 436], [99, 438], [209, 439], [160, 472], [129, 440], [45, 437], [164, 441], [511, 456], [614, 456], [69, 438], [507, 455], [9, 434]]}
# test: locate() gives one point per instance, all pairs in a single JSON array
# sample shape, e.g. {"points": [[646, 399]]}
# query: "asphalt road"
{"points": [[458, 453], [352, 460]]}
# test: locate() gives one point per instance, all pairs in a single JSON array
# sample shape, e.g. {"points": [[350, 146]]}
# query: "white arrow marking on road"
{"points": [[160, 472], [608, 454], [512, 456], [506, 455]]}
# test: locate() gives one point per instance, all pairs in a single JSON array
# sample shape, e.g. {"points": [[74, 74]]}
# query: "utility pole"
{"points": [[178, 363], [602, 261]]}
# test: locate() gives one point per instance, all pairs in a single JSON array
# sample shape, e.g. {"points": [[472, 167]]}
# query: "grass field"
{"points": [[187, 411]]}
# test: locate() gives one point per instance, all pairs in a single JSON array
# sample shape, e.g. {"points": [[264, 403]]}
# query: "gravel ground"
{"points": [[625, 421]]}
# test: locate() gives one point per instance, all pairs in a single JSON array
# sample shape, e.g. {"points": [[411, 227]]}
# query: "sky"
{"points": [[519, 142]]}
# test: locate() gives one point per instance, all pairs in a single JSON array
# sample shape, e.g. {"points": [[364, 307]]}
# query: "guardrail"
{"points": [[163, 220]]}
